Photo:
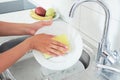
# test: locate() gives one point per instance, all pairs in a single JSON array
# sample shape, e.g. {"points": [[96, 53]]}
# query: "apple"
{"points": [[40, 11], [50, 12]]}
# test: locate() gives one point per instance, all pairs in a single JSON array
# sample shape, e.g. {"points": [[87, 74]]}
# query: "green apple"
{"points": [[50, 12]]}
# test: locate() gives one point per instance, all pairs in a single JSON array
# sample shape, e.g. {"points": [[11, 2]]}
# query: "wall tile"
{"points": [[91, 23], [113, 6], [89, 18], [63, 8], [114, 34]]}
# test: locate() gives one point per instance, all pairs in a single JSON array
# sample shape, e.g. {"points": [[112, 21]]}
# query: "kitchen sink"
{"points": [[27, 68], [15, 5], [30, 69], [85, 59]]}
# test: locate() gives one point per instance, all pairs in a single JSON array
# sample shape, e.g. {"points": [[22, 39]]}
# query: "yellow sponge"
{"points": [[61, 38]]}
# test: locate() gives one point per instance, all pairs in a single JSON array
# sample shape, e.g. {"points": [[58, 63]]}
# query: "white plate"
{"points": [[57, 15], [66, 61]]}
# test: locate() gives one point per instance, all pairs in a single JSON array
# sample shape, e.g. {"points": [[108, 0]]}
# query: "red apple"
{"points": [[40, 11]]}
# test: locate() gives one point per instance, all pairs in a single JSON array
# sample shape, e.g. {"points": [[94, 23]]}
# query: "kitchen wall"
{"points": [[89, 19], [92, 11]]}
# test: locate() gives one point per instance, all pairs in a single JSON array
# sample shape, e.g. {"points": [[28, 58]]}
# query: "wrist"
{"points": [[27, 43], [30, 29]]}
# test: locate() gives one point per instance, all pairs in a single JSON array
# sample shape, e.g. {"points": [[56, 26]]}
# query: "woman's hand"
{"points": [[37, 25], [45, 44]]}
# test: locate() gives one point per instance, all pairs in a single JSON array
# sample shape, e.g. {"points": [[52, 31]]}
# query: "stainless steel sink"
{"points": [[30, 69], [85, 59], [27, 68]]}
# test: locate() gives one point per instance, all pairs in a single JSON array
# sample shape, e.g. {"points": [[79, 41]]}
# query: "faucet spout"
{"points": [[104, 45], [76, 4], [104, 52], [107, 18]]}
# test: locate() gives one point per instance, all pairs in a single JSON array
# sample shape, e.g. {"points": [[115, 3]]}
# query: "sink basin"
{"points": [[85, 59], [27, 68], [30, 69]]}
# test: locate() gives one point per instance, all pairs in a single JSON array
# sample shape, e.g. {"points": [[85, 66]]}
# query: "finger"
{"points": [[51, 36], [59, 44], [46, 35], [54, 52], [47, 22], [62, 50]]}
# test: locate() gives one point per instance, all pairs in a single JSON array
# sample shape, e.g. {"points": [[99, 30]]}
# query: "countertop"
{"points": [[18, 16], [24, 17]]}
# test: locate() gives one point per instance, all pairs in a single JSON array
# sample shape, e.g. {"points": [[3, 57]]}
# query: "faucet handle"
{"points": [[116, 55], [109, 57]]}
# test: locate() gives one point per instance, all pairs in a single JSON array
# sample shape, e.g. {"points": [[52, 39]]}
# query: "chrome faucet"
{"points": [[105, 56]]}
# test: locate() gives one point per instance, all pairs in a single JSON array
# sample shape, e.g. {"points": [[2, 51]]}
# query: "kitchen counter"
{"points": [[24, 17], [18, 17]]}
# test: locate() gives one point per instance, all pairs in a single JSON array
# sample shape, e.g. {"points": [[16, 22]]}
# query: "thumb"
{"points": [[46, 23]]}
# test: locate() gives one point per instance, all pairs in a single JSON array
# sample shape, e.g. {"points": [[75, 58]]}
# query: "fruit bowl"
{"points": [[40, 14]]}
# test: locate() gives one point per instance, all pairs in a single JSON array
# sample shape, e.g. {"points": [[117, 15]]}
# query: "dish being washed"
{"points": [[70, 58]]}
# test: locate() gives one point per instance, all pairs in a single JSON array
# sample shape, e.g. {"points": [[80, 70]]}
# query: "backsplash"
{"points": [[89, 19]]}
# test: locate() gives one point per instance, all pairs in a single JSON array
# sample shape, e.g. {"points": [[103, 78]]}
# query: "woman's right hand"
{"points": [[45, 44]]}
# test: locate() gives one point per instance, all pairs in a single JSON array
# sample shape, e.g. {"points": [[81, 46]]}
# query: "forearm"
{"points": [[11, 56], [7, 28]]}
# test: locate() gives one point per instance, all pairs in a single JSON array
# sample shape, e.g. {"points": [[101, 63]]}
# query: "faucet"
{"points": [[105, 56]]}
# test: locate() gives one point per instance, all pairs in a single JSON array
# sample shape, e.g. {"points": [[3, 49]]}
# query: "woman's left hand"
{"points": [[37, 25]]}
